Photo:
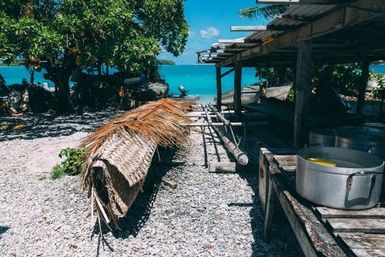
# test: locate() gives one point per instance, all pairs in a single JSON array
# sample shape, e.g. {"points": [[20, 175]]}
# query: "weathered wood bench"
{"points": [[320, 231]]}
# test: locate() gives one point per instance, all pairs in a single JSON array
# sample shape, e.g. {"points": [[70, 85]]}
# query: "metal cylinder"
{"points": [[322, 137], [353, 183]]}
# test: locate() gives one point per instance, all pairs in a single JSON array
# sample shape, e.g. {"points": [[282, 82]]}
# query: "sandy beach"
{"points": [[206, 215]]}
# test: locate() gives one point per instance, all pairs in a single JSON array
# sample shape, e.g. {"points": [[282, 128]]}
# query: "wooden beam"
{"points": [[303, 89], [248, 28], [334, 21], [230, 41], [227, 72], [219, 89], [362, 86], [238, 90], [261, 28]]}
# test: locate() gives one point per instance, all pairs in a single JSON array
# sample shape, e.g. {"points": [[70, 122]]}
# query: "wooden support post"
{"points": [[271, 201], [362, 86], [303, 88], [219, 89], [238, 90]]}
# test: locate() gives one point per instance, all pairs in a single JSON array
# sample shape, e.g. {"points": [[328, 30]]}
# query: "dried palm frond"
{"points": [[160, 121], [119, 153]]}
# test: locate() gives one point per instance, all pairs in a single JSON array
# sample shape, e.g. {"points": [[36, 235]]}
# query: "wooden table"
{"points": [[320, 231]]}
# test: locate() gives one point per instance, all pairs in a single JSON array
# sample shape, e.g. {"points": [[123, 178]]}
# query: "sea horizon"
{"points": [[198, 79]]}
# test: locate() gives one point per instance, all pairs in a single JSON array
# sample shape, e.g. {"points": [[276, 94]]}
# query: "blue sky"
{"points": [[210, 20]]}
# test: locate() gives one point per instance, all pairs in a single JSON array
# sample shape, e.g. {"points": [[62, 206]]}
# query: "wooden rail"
{"points": [[320, 231]]}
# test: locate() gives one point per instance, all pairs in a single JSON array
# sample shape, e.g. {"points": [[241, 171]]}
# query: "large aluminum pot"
{"points": [[370, 142], [354, 184], [323, 137], [327, 136]]}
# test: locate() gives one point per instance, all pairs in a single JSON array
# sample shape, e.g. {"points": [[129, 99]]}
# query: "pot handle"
{"points": [[370, 148], [349, 181]]}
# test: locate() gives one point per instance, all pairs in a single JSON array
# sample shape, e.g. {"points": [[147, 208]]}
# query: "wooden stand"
{"points": [[320, 231]]}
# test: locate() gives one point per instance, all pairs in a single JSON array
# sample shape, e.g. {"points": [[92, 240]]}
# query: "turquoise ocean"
{"points": [[198, 79]]}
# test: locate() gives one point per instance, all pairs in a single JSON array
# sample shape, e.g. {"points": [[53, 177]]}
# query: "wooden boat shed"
{"points": [[310, 31]]}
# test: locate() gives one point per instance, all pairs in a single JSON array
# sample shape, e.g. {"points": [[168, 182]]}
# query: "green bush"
{"points": [[57, 172], [72, 165]]}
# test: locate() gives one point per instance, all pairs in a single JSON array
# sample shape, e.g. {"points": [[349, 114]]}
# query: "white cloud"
{"points": [[209, 32]]}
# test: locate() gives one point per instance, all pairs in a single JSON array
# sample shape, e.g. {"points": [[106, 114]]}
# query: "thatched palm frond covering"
{"points": [[119, 154]]}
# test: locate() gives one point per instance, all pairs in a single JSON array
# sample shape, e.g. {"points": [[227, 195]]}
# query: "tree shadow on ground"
{"points": [[32, 126], [282, 236], [283, 241]]}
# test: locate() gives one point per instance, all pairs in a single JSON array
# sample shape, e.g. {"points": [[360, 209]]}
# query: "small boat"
{"points": [[279, 93], [252, 94]]}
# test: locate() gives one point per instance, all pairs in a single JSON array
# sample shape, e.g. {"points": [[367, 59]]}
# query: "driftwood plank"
{"points": [[375, 213], [362, 225]]}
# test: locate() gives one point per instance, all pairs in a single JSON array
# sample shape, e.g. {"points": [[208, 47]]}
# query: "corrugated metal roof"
{"points": [[294, 17], [308, 11]]}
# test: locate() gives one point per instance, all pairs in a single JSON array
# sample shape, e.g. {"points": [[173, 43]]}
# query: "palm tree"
{"points": [[267, 11]]}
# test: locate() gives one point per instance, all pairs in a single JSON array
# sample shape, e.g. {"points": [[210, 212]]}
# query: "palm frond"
{"points": [[267, 11], [161, 121]]}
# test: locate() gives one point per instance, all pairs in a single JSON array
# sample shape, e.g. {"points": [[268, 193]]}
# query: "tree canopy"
{"points": [[64, 35]]}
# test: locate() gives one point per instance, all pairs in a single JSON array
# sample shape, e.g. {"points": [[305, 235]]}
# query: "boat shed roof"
{"points": [[342, 31]]}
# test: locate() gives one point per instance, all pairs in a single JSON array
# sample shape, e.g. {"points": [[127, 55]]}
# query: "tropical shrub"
{"points": [[73, 163]]}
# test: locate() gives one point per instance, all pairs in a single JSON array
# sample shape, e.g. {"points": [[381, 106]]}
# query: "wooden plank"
{"points": [[261, 28], [262, 179], [230, 167], [363, 241], [219, 88], [303, 89], [231, 41], [362, 87], [369, 252], [312, 236], [364, 225], [375, 213], [238, 90], [248, 28], [227, 72], [286, 162], [271, 201], [332, 22]]}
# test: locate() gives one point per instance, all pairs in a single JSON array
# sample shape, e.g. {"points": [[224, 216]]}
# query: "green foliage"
{"points": [[267, 11], [291, 95], [166, 62], [57, 172], [73, 163], [344, 78], [165, 21], [67, 35], [275, 76], [379, 78]]}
